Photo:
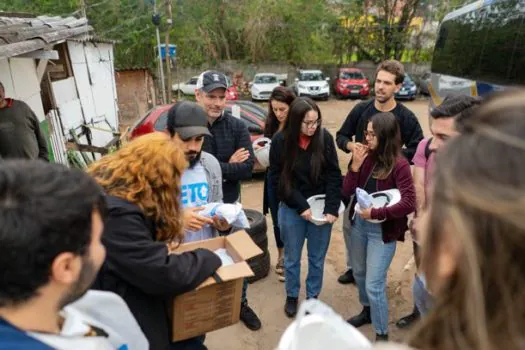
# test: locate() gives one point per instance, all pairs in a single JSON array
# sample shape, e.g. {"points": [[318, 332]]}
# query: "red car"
{"points": [[351, 82], [231, 93], [253, 116]]}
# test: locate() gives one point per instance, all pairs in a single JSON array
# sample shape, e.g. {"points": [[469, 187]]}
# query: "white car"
{"points": [[312, 83], [263, 85], [186, 88]]}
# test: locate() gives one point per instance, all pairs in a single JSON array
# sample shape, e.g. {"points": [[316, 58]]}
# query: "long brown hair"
{"points": [[388, 149], [477, 211], [147, 172], [281, 94], [292, 131]]}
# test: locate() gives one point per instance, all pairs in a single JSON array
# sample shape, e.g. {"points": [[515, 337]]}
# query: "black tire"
{"points": [[260, 266], [258, 228]]}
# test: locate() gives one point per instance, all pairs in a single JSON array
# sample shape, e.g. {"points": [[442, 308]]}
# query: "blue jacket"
{"points": [[13, 338]]}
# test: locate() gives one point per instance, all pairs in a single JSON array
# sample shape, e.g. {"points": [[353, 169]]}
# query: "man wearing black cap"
{"points": [[202, 181], [20, 134], [230, 144]]}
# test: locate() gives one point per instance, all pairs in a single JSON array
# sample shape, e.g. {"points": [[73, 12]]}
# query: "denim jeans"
{"points": [[422, 297], [273, 203], [347, 229], [371, 258], [295, 230]]}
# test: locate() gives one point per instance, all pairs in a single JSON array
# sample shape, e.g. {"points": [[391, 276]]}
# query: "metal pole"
{"points": [[169, 22], [160, 57]]}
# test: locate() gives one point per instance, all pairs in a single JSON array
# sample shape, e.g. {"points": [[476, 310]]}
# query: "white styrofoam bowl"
{"points": [[382, 199], [317, 207], [262, 153]]}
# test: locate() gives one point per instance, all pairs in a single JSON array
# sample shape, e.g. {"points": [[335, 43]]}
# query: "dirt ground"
{"points": [[267, 296]]}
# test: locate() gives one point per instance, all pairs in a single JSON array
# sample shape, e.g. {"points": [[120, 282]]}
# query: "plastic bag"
{"points": [[226, 259], [232, 213], [317, 326], [363, 198]]}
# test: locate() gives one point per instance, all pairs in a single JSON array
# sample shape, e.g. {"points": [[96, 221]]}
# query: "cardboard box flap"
{"points": [[232, 272], [229, 273], [243, 245]]}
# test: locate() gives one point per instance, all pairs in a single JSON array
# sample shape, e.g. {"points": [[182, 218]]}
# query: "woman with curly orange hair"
{"points": [[142, 183]]}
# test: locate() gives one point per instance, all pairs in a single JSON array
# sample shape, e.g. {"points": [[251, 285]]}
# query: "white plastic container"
{"points": [[262, 153], [322, 328], [317, 207], [382, 199]]}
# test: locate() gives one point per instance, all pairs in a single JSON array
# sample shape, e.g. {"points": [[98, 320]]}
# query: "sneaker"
{"points": [[347, 277], [249, 318], [381, 337], [290, 308], [279, 268], [408, 320], [361, 319]]}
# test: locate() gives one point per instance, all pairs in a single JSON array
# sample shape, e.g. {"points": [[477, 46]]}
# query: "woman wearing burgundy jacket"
{"points": [[377, 166]]}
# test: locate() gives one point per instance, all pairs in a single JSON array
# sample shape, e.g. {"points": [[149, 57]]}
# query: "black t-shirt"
{"points": [[357, 120]]}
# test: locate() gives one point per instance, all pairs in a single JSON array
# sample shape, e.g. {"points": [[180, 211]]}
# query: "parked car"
{"points": [[423, 83], [351, 82], [312, 83], [408, 89], [253, 116], [231, 92], [188, 88], [263, 85]]}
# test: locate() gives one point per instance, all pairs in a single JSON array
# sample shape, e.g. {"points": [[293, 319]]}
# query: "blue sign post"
{"points": [[172, 51]]}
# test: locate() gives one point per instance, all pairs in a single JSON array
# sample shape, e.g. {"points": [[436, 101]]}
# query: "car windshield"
{"points": [[407, 79], [314, 76], [265, 79], [351, 75]]}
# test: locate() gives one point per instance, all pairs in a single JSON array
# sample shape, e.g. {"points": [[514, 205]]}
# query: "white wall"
{"points": [[18, 75], [93, 68]]}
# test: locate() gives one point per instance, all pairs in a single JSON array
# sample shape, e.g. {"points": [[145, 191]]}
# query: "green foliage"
{"points": [[206, 31]]}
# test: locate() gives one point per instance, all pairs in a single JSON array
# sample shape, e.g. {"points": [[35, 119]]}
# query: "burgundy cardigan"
{"points": [[395, 226]]}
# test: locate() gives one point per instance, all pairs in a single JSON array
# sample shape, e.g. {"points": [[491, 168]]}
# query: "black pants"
{"points": [[196, 343]]}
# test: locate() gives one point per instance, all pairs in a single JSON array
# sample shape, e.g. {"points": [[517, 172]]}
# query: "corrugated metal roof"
{"points": [[92, 39], [19, 35]]}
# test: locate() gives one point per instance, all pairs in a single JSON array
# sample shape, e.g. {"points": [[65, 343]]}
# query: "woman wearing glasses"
{"points": [[377, 166], [303, 163]]}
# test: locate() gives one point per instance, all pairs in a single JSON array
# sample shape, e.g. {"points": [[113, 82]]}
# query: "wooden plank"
{"points": [[41, 69], [86, 148]]}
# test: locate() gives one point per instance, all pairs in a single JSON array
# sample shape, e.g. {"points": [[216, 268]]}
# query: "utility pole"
{"points": [[169, 22], [83, 8], [156, 21]]}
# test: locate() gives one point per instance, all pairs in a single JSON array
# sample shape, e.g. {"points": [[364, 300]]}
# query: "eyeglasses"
{"points": [[312, 124]]}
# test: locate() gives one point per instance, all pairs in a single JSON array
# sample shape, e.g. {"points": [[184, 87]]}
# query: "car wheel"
{"points": [[260, 266], [258, 228]]}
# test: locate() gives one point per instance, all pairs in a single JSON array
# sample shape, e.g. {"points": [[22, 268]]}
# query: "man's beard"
{"points": [[85, 280], [195, 159]]}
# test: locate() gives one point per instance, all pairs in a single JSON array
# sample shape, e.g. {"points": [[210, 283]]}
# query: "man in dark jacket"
{"points": [[20, 134], [389, 77], [230, 144], [230, 141]]}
